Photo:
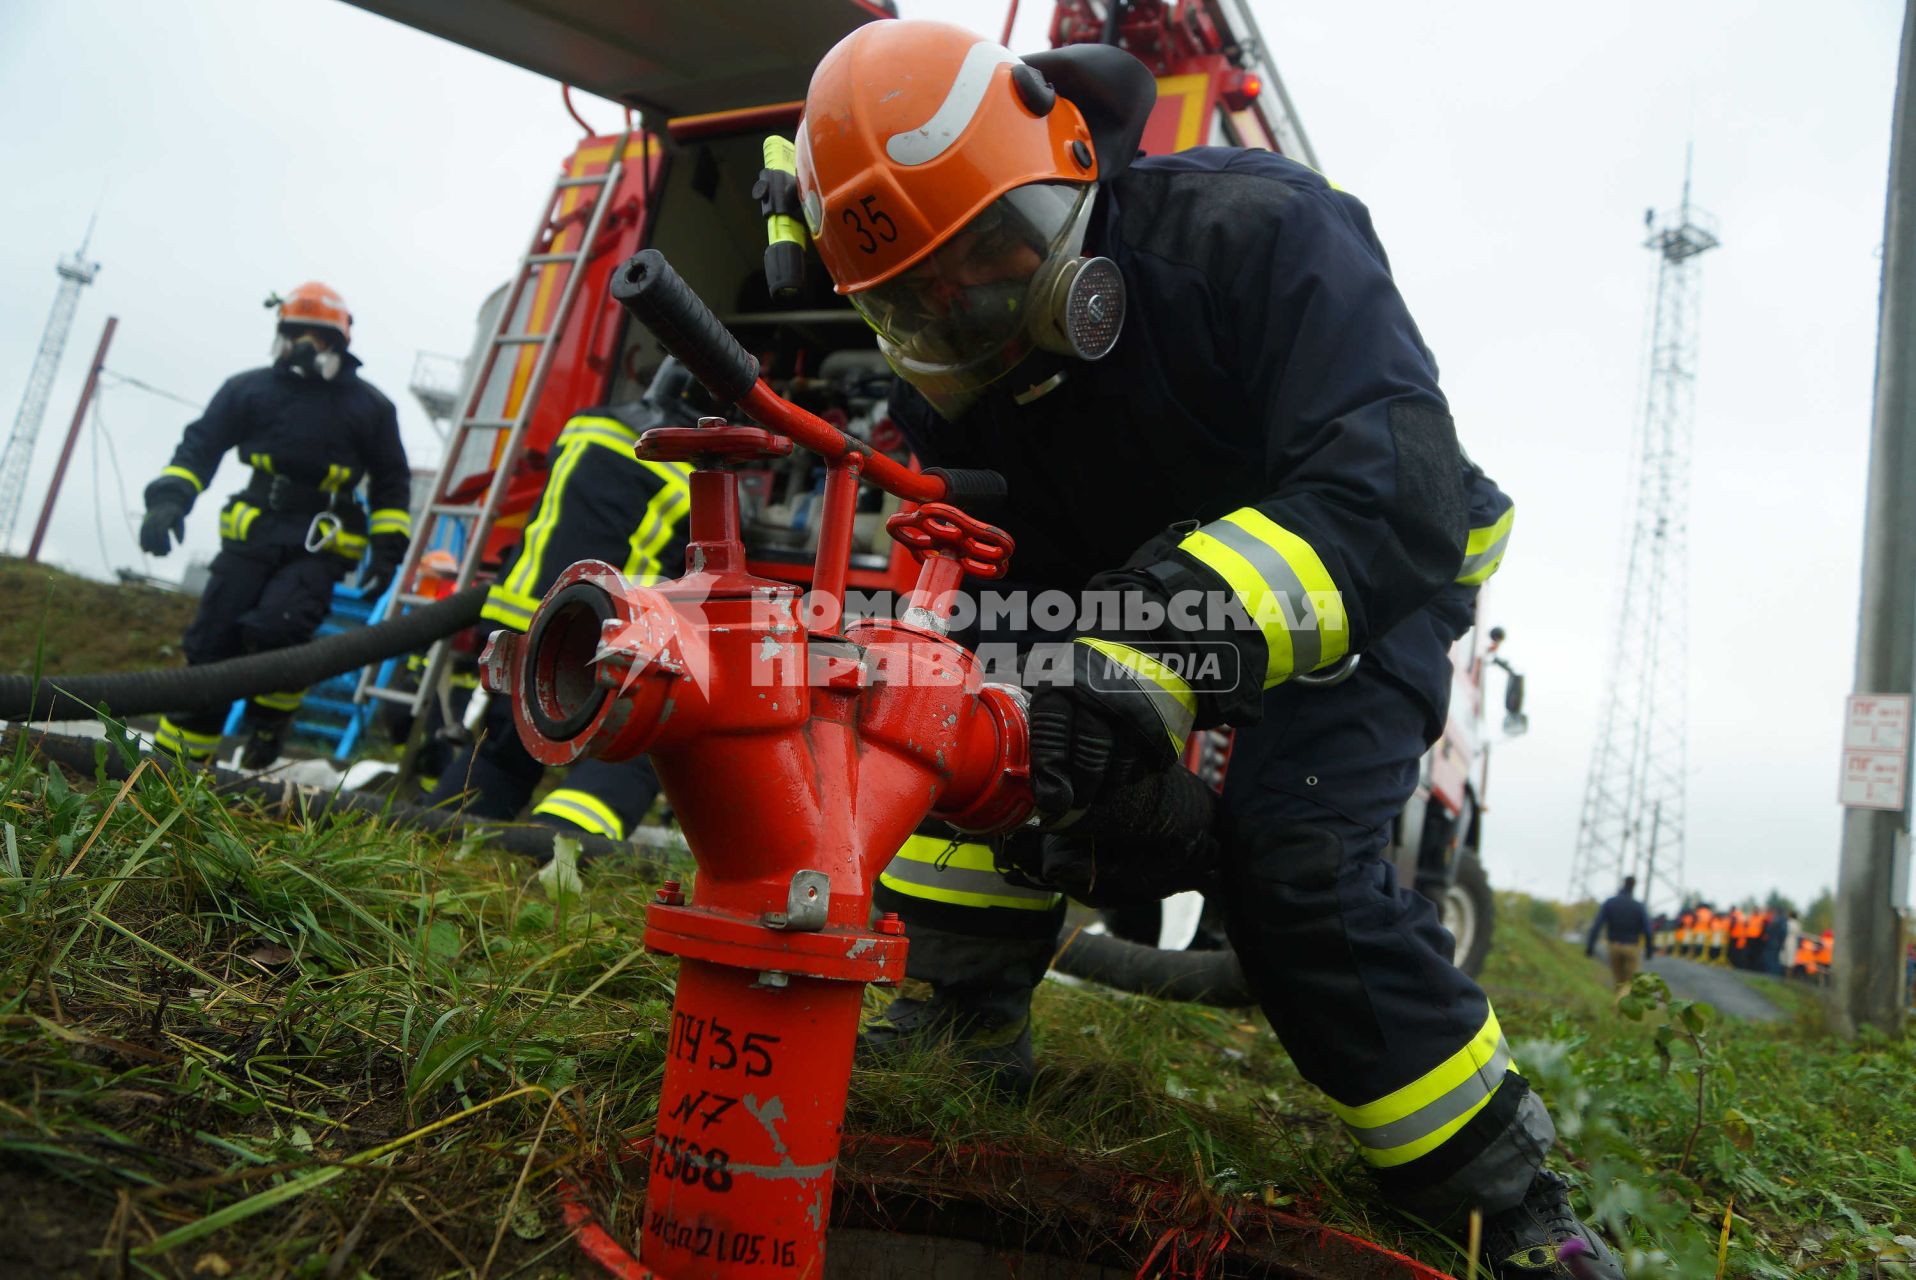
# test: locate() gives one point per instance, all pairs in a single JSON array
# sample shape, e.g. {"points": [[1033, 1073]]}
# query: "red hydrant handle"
{"points": [[768, 408]]}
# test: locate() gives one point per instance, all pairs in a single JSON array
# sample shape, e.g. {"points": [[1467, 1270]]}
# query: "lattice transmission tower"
{"points": [[75, 274], [1634, 799]]}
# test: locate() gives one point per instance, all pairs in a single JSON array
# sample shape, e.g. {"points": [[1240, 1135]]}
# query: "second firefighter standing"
{"points": [[311, 429]]}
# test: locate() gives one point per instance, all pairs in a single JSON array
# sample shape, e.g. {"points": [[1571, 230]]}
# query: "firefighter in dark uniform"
{"points": [[311, 429], [1201, 384], [601, 502]]}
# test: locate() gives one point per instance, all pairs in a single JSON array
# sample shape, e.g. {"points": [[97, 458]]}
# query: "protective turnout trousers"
{"points": [[264, 591], [1353, 970]]}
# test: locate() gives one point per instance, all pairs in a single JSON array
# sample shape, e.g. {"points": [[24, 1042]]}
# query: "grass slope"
{"points": [[234, 1047], [88, 626]]}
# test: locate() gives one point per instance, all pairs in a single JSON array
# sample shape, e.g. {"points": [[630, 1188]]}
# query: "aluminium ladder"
{"points": [[463, 521]]}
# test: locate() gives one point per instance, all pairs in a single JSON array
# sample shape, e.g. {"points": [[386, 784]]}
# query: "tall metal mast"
{"points": [[75, 274], [1633, 807]]}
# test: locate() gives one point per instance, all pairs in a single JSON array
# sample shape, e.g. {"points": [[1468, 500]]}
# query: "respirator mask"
{"points": [[1008, 293], [301, 352]]}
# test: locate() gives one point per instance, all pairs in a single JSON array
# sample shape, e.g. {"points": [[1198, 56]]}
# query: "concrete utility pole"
{"points": [[1867, 979]]}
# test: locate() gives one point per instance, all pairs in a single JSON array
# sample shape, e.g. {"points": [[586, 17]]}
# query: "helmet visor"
{"points": [[965, 306]]}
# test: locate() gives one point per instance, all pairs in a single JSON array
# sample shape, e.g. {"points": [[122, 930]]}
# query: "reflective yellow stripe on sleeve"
{"points": [[287, 701], [1417, 1119], [582, 809], [391, 520], [509, 609], [1485, 550], [1283, 586], [960, 873], [1169, 693], [186, 474]]}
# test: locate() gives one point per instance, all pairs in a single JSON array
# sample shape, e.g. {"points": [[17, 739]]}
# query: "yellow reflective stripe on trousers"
{"points": [[1485, 550], [962, 873], [280, 701], [1419, 1117], [1283, 586], [662, 516], [391, 520], [1170, 695], [184, 742], [191, 477], [525, 571], [582, 809]]}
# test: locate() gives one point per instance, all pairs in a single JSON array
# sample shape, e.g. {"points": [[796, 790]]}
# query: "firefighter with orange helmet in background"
{"points": [[1200, 383], [311, 429]]}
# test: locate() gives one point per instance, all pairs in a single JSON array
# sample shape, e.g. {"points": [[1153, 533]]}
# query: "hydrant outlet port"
{"points": [[562, 648]]}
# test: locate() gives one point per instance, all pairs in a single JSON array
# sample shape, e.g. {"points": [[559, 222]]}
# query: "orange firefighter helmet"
{"points": [[319, 305], [948, 185]]}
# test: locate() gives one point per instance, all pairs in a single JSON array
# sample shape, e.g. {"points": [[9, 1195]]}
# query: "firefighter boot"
{"points": [[1542, 1236], [979, 1009], [263, 743]]}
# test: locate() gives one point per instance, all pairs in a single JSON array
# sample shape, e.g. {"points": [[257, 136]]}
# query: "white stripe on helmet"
{"points": [[933, 138]]}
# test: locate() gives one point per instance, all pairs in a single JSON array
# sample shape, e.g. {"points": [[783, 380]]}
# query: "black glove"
{"points": [[1103, 725], [163, 518], [389, 552]]}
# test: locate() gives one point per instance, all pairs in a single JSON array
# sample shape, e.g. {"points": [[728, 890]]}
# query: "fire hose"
{"points": [[215, 684]]}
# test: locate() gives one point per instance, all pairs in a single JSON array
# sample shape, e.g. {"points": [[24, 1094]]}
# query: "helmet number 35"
{"points": [[874, 220]]}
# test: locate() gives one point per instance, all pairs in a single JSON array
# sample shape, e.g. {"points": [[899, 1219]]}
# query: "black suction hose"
{"points": [[214, 684], [1195, 977]]}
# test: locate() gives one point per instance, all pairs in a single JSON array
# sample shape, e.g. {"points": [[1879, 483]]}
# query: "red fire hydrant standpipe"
{"points": [[798, 754]]}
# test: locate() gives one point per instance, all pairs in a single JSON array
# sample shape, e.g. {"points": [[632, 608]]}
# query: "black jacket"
{"points": [[320, 436], [1267, 362]]}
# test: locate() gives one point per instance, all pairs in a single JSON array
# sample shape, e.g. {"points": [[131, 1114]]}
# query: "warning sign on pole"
{"points": [[1875, 751]]}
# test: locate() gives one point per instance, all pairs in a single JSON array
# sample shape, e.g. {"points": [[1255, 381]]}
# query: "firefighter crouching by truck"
{"points": [[1199, 380], [311, 429], [601, 502]]}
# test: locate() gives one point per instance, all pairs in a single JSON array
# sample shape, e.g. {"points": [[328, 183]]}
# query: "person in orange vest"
{"points": [[1803, 962], [1684, 925], [1826, 953], [1720, 937], [1700, 938]]}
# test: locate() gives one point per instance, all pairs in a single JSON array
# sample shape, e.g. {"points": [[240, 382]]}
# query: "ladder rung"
{"points": [[412, 601], [452, 509], [488, 424], [545, 259], [591, 180], [389, 695], [520, 339]]}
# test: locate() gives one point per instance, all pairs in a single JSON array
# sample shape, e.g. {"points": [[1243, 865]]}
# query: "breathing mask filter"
{"points": [[1009, 295], [300, 352]]}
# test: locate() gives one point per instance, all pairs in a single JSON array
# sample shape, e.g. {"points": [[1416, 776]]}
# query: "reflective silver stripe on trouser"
{"points": [[1307, 641], [1440, 1111]]}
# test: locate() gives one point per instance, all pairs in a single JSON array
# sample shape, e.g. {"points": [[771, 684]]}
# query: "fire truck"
{"points": [[703, 86]]}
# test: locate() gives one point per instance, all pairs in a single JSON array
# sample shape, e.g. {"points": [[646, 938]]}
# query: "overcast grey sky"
{"points": [[1507, 151]]}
